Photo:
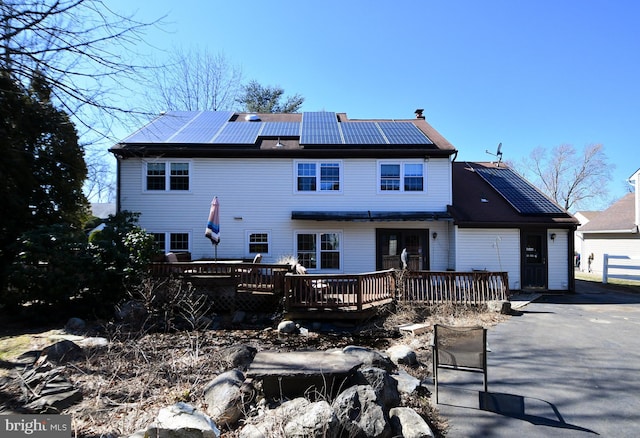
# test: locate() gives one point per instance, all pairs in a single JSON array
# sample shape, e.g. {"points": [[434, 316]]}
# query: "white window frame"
{"points": [[167, 241], [318, 250], [403, 175], [249, 233], [167, 175], [318, 170]]}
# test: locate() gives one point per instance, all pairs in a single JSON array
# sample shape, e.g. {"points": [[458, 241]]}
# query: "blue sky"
{"points": [[523, 73]]}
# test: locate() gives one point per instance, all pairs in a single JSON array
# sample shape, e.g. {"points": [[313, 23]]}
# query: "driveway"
{"points": [[565, 366]]}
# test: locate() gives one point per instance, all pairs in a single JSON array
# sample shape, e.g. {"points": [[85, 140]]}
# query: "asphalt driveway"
{"points": [[566, 366]]}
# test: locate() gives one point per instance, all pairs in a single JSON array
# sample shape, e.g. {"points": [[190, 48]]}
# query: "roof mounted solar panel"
{"points": [[362, 133], [163, 127], [518, 192], [320, 128], [403, 133], [281, 129], [202, 128], [239, 133]]}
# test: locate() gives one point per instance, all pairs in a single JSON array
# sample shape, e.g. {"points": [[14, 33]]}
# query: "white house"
{"points": [[341, 195], [613, 231]]}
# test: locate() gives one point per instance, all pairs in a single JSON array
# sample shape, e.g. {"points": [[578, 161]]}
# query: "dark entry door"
{"points": [[390, 244], [534, 260]]}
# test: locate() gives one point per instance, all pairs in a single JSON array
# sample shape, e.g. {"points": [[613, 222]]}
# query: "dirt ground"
{"points": [[126, 383]]}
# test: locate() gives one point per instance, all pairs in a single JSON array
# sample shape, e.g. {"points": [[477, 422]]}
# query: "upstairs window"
{"points": [[401, 177], [173, 176], [318, 177]]}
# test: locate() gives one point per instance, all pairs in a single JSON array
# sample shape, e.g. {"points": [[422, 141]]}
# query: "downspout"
{"points": [[118, 179]]}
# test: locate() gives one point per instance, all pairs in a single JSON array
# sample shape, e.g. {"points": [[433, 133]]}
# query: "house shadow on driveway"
{"points": [[591, 292]]}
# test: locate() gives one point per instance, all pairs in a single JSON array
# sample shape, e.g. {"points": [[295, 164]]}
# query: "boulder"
{"points": [[402, 354], [359, 413], [385, 387], [132, 313], [287, 327], [182, 421], [407, 423], [239, 356], [61, 352], [406, 383], [369, 357], [224, 397], [499, 306], [296, 418], [75, 326]]}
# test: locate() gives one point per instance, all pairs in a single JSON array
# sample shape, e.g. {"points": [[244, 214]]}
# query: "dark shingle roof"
{"points": [[476, 202], [619, 217]]}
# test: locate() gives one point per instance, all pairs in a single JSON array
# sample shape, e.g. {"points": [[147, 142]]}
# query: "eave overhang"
{"points": [[370, 216]]}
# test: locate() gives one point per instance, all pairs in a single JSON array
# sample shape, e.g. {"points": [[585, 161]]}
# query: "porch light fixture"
{"points": [[434, 235], [553, 236]]}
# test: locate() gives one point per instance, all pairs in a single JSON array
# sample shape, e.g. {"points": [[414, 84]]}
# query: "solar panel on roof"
{"points": [[163, 127], [524, 197], [403, 133], [362, 133], [202, 128], [280, 129], [320, 128], [239, 133]]}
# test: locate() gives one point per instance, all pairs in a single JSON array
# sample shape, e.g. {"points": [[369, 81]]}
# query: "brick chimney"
{"points": [[419, 112]]}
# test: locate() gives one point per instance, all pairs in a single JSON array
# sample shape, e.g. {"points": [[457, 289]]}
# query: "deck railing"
{"points": [[250, 277], [338, 291], [349, 291], [433, 287]]}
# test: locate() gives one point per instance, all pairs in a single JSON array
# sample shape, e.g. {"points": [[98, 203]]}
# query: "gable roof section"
{"points": [[486, 196], [218, 133], [617, 218]]}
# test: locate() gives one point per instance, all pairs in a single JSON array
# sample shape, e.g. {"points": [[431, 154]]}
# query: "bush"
{"points": [[59, 265]]}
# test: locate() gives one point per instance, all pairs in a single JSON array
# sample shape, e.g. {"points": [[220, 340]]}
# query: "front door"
{"points": [[534, 260], [390, 243]]}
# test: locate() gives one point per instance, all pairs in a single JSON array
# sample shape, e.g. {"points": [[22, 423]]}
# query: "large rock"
{"points": [[224, 396], [407, 423], [385, 387], [287, 327], [296, 418], [359, 413], [61, 352], [239, 356], [402, 354], [182, 421], [406, 383], [369, 357]]}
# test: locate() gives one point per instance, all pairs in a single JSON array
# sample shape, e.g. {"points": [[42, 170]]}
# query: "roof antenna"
{"points": [[497, 154]]}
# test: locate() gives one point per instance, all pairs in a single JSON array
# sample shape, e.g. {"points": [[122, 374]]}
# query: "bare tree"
{"points": [[88, 54], [574, 180], [194, 80]]}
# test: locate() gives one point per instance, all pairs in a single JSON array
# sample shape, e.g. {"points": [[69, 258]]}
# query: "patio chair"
{"points": [[461, 349]]}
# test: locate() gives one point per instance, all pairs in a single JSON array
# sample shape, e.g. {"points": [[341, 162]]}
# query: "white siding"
{"points": [[259, 195], [558, 260], [490, 249], [613, 244]]}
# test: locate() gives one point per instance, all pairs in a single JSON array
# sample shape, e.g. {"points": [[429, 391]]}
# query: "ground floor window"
{"points": [[172, 242], [319, 250], [258, 242]]}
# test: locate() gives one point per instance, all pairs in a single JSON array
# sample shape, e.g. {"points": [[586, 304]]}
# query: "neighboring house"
{"points": [[614, 231], [583, 218], [341, 195], [102, 210]]}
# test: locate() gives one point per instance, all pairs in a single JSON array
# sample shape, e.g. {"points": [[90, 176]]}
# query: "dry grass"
{"points": [[125, 384]]}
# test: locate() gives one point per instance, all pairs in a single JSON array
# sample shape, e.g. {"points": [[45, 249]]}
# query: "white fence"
{"points": [[621, 267]]}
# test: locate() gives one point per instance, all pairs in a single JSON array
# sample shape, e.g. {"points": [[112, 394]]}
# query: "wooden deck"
{"points": [[341, 295]]}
